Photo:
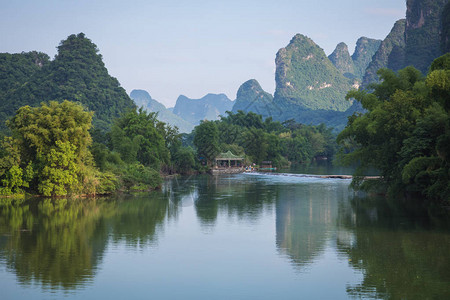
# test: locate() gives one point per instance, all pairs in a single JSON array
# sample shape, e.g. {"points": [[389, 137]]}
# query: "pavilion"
{"points": [[228, 159]]}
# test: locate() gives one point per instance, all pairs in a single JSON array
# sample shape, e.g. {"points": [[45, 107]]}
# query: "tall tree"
{"points": [[206, 140]]}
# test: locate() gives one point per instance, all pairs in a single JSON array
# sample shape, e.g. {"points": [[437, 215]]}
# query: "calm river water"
{"points": [[245, 236]]}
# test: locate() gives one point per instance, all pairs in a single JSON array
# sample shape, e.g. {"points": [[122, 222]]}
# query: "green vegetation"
{"points": [[355, 66], [206, 140], [251, 97], [76, 74], [416, 41], [139, 147], [262, 140], [50, 152], [307, 78], [405, 133]]}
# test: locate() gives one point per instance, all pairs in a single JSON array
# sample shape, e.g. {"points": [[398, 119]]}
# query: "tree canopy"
{"points": [[48, 150], [405, 133]]}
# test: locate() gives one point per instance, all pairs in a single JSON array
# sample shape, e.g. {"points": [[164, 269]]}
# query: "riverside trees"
{"points": [[48, 151], [405, 133]]}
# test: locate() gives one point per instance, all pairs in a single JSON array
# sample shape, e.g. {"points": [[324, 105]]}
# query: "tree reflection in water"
{"points": [[403, 253], [59, 243]]}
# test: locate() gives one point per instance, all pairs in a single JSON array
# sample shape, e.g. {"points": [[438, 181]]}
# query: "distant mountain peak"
{"points": [[341, 59], [209, 107], [306, 77], [251, 97], [143, 99]]}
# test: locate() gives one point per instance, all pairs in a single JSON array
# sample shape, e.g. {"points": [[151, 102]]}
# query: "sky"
{"points": [[192, 48]]}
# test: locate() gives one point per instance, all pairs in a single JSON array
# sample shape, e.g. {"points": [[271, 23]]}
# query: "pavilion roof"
{"points": [[228, 155]]}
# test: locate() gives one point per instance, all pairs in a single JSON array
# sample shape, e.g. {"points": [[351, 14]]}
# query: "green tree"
{"points": [[139, 136], [405, 132], [206, 140], [49, 149], [59, 175], [184, 159]]}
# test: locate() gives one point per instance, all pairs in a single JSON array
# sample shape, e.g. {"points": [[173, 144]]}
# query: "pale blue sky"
{"points": [[192, 47]]}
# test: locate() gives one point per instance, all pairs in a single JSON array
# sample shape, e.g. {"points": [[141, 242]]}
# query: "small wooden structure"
{"points": [[228, 160]]}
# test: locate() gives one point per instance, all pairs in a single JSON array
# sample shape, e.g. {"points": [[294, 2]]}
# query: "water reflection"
{"points": [[404, 254], [234, 196], [60, 243], [306, 219], [57, 243]]}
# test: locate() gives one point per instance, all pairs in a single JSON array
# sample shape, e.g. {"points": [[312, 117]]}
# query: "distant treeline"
{"points": [[247, 134]]}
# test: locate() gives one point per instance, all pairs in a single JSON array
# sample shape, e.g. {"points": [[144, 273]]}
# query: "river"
{"points": [[244, 236]]}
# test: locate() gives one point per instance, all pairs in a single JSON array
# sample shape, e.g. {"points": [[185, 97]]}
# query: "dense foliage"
{"points": [[15, 71], [262, 140], [139, 147], [77, 74], [405, 133], [48, 151]]}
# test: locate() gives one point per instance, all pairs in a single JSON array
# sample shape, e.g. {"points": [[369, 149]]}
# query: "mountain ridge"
{"points": [[143, 99]]}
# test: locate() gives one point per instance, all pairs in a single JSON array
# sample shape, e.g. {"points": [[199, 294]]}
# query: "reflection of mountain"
{"points": [[305, 220], [60, 243], [398, 254]]}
